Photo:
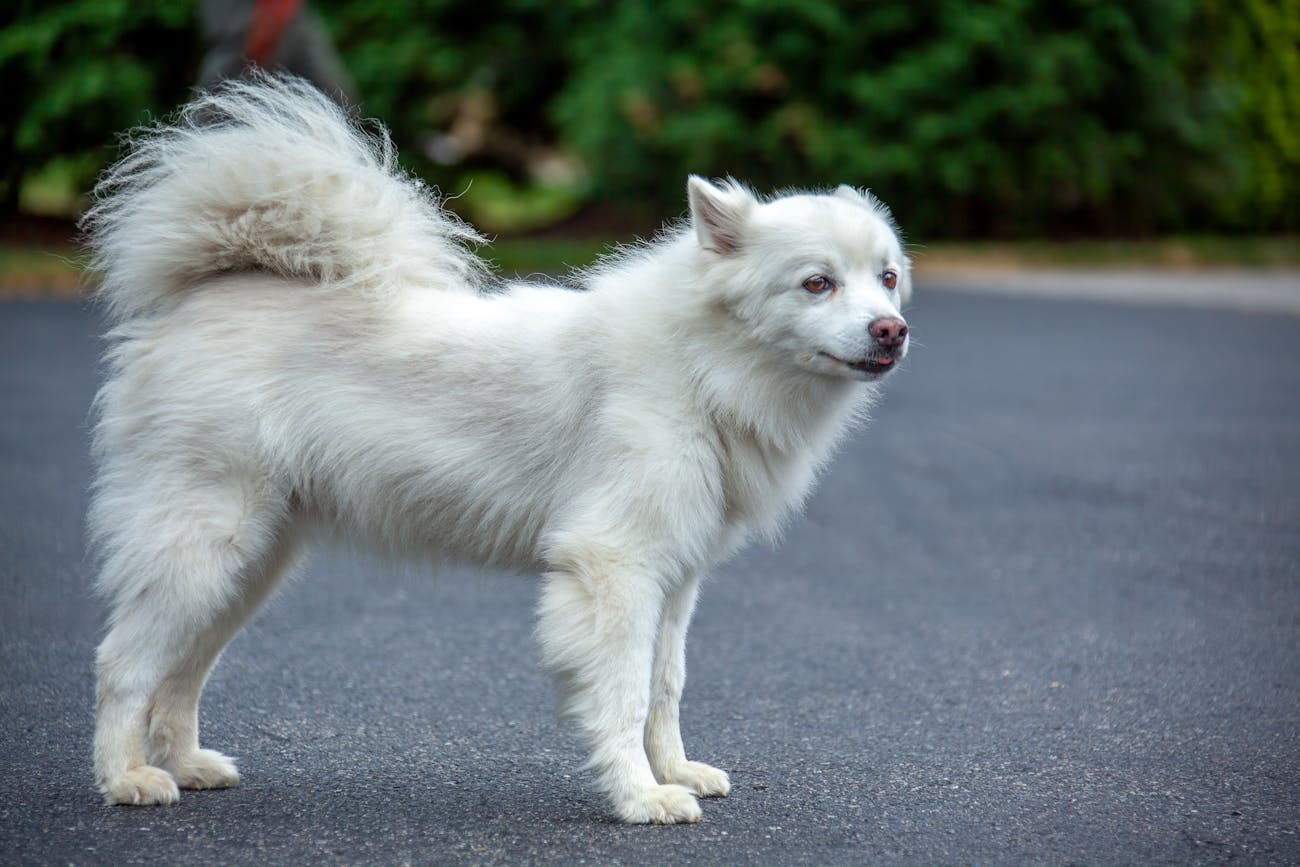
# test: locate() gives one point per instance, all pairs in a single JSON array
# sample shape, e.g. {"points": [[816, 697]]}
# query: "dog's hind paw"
{"points": [[203, 769], [143, 784], [705, 780], [660, 805]]}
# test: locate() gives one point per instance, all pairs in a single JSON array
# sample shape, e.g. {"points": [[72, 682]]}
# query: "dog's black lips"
{"points": [[870, 365], [873, 366]]}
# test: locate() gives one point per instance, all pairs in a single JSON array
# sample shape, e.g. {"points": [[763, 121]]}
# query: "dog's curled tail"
{"points": [[268, 174]]}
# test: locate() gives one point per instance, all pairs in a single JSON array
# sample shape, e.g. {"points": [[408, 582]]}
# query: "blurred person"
{"points": [[272, 34]]}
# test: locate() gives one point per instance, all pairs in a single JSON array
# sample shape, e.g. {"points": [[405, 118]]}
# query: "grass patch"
{"points": [[493, 204], [1175, 252], [557, 255], [548, 256], [32, 273], [26, 271], [59, 188]]}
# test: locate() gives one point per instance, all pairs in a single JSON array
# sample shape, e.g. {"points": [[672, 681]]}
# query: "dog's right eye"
{"points": [[818, 284]]}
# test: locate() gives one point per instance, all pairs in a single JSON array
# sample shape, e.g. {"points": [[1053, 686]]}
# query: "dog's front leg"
{"points": [[663, 734], [597, 629]]}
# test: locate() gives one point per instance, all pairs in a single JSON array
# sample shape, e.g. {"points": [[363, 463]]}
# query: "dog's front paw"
{"points": [[660, 805], [203, 769], [705, 780], [143, 784]]}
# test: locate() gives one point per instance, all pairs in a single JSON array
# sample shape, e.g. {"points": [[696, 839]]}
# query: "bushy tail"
{"points": [[268, 175]]}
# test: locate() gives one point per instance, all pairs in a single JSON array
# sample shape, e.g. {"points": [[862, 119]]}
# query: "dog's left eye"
{"points": [[818, 284], [889, 279]]}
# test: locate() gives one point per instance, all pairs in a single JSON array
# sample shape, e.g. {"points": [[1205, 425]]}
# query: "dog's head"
{"points": [[819, 278]]}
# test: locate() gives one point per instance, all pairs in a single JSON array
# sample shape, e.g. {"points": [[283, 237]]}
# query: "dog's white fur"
{"points": [[301, 338]]}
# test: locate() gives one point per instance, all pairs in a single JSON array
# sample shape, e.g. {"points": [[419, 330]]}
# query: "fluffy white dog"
{"points": [[302, 339]]}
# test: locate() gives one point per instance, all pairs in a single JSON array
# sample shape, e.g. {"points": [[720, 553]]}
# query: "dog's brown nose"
{"points": [[888, 331]]}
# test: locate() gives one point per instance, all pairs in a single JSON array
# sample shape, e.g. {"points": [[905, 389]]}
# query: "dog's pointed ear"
{"points": [[868, 200], [853, 194], [719, 214]]}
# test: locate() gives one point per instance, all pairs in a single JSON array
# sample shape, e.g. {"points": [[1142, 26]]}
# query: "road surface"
{"points": [[1046, 608]]}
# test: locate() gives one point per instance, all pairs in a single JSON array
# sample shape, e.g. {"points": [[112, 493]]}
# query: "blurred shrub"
{"points": [[427, 65], [1257, 60], [76, 72], [1006, 117]]}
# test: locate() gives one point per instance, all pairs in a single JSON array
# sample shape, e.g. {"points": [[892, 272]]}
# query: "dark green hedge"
{"points": [[1006, 117]]}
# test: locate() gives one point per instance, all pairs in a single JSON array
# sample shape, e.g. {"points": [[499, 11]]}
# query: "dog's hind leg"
{"points": [[179, 566], [597, 630], [663, 734], [173, 723]]}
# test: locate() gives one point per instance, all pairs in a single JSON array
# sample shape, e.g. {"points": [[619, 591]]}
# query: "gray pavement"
{"points": [[1046, 609], [1240, 289]]}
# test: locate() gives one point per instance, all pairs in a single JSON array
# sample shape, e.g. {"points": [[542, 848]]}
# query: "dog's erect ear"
{"points": [[718, 214], [853, 194], [868, 200]]}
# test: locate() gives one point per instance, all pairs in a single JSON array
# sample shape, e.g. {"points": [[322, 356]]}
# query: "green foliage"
{"points": [[1259, 68], [76, 72], [1005, 117], [423, 65]]}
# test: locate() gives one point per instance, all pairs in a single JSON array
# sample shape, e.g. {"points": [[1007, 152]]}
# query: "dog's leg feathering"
{"points": [[597, 631], [663, 734], [178, 600], [173, 733]]}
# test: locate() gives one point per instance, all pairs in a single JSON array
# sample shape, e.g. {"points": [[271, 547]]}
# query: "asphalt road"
{"points": [[1045, 609]]}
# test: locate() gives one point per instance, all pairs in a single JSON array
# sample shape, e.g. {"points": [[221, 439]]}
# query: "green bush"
{"points": [[1257, 56], [1005, 118], [1011, 116], [78, 71]]}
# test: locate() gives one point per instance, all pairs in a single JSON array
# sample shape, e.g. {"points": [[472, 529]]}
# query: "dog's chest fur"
{"points": [[763, 483]]}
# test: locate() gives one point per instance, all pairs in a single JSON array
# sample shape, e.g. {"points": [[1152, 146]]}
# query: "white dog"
{"points": [[301, 339]]}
